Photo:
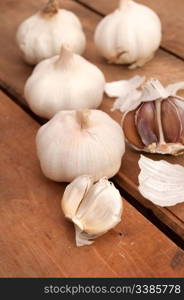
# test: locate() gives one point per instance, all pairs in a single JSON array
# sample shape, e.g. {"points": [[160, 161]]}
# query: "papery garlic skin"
{"points": [[129, 35], [125, 90], [42, 35], [74, 194], [161, 182], [65, 82], [75, 143], [100, 209]]}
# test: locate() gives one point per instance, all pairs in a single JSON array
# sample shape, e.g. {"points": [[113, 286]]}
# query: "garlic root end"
{"points": [[141, 62]]}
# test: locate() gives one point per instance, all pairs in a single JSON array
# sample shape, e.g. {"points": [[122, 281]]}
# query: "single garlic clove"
{"points": [[74, 194], [145, 119], [93, 208], [170, 115], [101, 209], [130, 130]]}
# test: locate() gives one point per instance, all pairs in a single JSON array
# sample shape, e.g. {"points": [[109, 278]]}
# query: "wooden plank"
{"points": [[169, 11], [167, 68], [37, 241]]}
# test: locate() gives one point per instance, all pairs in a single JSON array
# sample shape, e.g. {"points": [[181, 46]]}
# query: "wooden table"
{"points": [[35, 239]]}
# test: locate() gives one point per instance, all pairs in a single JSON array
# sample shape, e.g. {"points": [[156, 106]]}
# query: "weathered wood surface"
{"points": [[37, 241], [171, 15], [167, 68]]}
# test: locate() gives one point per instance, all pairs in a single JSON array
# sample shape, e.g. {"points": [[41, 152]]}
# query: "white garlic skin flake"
{"points": [[94, 207], [129, 35], [65, 82], [42, 35], [161, 182], [75, 143]]}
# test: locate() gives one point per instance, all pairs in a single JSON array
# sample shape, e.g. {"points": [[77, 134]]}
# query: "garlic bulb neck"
{"points": [[66, 56], [123, 4], [51, 8], [83, 118]]}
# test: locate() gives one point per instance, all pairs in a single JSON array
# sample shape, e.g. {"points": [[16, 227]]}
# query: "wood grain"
{"points": [[37, 241], [169, 11], [167, 68]]}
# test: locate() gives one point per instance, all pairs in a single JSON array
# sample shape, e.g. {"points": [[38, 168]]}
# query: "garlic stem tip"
{"points": [[51, 7], [83, 118], [123, 3]]}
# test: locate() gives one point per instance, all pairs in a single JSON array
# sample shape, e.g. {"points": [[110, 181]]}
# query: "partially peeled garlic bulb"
{"points": [[42, 35], [129, 35], [156, 125], [64, 82], [75, 143], [94, 208]]}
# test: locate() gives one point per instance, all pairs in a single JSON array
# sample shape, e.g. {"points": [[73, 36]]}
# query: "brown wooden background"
{"points": [[35, 238]]}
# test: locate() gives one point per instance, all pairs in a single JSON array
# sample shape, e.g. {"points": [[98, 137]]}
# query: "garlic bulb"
{"points": [[129, 35], [75, 143], [161, 182], [94, 208], [65, 82], [156, 124], [42, 35]]}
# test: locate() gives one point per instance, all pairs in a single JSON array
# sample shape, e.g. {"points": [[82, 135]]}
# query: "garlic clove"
{"points": [[74, 194], [130, 130], [145, 122], [161, 182], [170, 115], [95, 210], [101, 209]]}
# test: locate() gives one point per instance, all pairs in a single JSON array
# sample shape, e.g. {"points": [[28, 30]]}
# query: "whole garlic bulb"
{"points": [[42, 35], [94, 208], [75, 143], [65, 82], [129, 35]]}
